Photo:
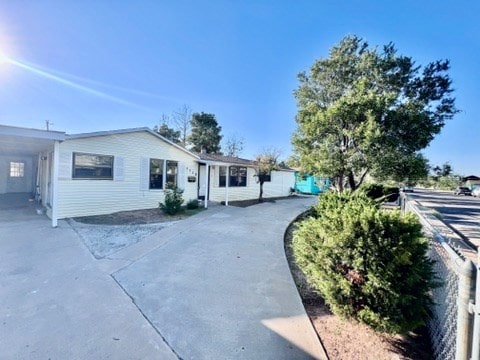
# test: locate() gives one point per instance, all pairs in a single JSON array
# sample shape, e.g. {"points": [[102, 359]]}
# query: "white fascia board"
{"points": [[31, 133]]}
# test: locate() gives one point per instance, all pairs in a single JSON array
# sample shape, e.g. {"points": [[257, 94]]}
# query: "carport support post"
{"points": [[56, 162], [207, 175], [227, 178]]}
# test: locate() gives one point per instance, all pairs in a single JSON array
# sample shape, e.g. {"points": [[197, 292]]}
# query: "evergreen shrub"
{"points": [[173, 200], [381, 192], [193, 204], [368, 264]]}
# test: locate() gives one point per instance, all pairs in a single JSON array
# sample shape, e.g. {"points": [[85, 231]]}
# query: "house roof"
{"points": [[471, 178], [128, 131], [225, 159], [24, 141], [31, 133], [232, 160]]}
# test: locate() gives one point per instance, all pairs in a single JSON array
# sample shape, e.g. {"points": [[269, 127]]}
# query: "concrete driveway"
{"points": [[213, 286], [56, 303]]}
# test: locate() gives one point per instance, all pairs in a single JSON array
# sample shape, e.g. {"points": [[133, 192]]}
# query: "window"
{"points": [[238, 176], [222, 180], [266, 177], [156, 174], [163, 172], [172, 172], [92, 166], [17, 169]]}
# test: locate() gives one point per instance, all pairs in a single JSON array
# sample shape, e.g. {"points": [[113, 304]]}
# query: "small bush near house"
{"points": [[368, 264], [173, 200], [193, 204]]}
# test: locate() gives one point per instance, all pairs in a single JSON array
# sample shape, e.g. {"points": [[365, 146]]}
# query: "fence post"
{"points": [[476, 316], [466, 283]]}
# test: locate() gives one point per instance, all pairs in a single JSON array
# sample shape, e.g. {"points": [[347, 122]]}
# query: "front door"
{"points": [[19, 175], [202, 188], [49, 179]]}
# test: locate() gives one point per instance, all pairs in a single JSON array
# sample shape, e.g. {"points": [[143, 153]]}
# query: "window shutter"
{"points": [[119, 168], [144, 174], [181, 176], [65, 165]]}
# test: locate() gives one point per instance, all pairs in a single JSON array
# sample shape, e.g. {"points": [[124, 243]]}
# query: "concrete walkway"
{"points": [[213, 286], [218, 285]]}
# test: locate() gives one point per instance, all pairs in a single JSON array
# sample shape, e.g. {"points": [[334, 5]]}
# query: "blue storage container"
{"points": [[309, 184]]}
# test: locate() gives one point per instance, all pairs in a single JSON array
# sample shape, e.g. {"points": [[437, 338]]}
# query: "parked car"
{"points": [[476, 192], [462, 190]]}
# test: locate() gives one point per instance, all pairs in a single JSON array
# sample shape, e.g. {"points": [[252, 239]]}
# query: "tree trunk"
{"points": [[351, 182], [260, 198], [339, 185], [362, 178]]}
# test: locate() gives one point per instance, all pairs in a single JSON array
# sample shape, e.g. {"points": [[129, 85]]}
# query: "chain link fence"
{"points": [[451, 324]]}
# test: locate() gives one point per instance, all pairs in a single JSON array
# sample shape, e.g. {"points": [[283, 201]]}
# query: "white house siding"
{"points": [[94, 197], [282, 182]]}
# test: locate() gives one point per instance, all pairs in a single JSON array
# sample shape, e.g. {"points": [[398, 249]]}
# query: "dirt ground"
{"points": [[135, 217], [349, 340], [246, 203]]}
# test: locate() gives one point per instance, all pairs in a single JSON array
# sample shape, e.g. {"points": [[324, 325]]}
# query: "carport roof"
{"points": [[23, 141]]}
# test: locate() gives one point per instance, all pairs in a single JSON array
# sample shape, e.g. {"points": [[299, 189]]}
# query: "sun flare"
{"points": [[4, 58]]}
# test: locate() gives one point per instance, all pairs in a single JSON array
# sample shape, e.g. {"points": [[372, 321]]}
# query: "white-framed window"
{"points": [[92, 166], [163, 173], [17, 169], [172, 173], [266, 177], [156, 173], [237, 176]]}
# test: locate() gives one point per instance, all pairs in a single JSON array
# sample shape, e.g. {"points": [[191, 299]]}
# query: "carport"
{"points": [[29, 162]]}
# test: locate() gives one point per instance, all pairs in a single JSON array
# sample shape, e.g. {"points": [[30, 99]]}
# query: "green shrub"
{"points": [[447, 183], [173, 200], [381, 192], [193, 204], [368, 264], [373, 191]]}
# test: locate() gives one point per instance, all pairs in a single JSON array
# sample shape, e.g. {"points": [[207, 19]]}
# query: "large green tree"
{"points": [[367, 110], [168, 133], [205, 134]]}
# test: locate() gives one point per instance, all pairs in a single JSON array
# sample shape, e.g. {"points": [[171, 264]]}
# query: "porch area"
{"points": [[28, 166]]}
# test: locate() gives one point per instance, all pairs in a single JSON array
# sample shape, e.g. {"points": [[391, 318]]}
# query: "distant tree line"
{"points": [[198, 132]]}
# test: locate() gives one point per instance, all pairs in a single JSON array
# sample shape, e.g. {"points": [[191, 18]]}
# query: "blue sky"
{"points": [[124, 63]]}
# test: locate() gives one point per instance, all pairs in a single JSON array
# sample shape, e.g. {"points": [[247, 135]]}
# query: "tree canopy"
{"points": [[445, 170], [168, 133], [205, 133], [265, 163], [369, 110]]}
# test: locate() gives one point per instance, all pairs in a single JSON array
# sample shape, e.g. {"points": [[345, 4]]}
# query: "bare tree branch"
{"points": [[233, 145], [181, 118]]}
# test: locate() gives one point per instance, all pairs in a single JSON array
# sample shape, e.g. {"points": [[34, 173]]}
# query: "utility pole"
{"points": [[48, 123]]}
